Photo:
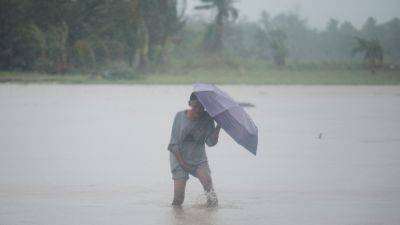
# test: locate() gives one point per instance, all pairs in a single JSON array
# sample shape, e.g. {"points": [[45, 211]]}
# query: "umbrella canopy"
{"points": [[229, 115]]}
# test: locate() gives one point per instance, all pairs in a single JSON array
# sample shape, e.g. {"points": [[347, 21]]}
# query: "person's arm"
{"points": [[173, 146], [174, 141], [212, 139], [182, 163]]}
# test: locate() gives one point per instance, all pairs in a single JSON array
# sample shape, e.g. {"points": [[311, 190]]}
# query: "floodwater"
{"points": [[96, 154]]}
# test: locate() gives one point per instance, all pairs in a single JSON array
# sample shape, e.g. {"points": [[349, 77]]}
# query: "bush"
{"points": [[82, 55], [27, 46], [117, 73], [101, 51], [56, 49]]}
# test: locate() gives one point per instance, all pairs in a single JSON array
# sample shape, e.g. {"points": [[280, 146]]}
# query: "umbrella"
{"points": [[229, 115]]}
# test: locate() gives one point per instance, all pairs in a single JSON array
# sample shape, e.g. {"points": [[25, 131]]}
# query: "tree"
{"points": [[332, 26], [391, 38], [373, 53], [66, 25], [277, 40], [272, 38], [240, 39], [162, 21], [345, 40], [347, 28], [299, 41], [370, 29], [274, 42], [225, 11]]}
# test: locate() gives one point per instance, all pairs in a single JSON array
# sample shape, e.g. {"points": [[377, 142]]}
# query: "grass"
{"points": [[271, 76]]}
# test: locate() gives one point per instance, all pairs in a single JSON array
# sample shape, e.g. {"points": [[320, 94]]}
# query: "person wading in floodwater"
{"points": [[191, 130]]}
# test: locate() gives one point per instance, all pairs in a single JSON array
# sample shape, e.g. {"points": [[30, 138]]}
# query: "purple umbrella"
{"points": [[229, 115]]}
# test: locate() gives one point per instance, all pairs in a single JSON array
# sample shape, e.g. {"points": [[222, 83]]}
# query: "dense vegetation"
{"points": [[121, 38]]}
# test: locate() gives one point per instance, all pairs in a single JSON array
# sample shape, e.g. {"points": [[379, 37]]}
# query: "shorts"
{"points": [[179, 174]]}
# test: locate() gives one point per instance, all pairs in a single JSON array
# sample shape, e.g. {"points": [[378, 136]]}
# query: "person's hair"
{"points": [[193, 97], [193, 100]]}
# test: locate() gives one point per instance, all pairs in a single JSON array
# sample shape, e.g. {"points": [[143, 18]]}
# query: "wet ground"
{"points": [[92, 154]]}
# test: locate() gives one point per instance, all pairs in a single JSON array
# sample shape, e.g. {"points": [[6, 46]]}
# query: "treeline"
{"points": [[287, 36], [59, 36]]}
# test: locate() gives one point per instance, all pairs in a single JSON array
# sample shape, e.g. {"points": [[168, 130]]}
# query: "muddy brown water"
{"points": [[96, 154]]}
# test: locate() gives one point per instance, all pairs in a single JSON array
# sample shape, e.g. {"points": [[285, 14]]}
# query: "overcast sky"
{"points": [[318, 12]]}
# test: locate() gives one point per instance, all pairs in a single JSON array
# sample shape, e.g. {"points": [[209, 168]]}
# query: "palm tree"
{"points": [[373, 52], [277, 38], [225, 11], [158, 21]]}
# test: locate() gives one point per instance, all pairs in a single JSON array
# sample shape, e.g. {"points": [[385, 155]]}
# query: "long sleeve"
{"points": [[174, 142], [211, 139]]}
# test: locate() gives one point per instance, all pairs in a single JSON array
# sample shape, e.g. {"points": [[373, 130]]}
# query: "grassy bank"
{"points": [[221, 76]]}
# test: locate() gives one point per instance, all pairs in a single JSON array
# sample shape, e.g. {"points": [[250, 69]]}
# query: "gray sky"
{"points": [[318, 12]]}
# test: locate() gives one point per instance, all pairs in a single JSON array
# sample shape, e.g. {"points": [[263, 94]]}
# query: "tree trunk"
{"points": [[218, 44], [131, 57]]}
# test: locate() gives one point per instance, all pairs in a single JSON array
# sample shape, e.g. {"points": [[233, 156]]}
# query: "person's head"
{"points": [[195, 105]]}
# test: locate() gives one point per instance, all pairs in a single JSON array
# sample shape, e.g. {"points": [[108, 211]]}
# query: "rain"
{"points": [[204, 112]]}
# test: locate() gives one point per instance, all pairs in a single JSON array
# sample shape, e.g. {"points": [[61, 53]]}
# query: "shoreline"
{"points": [[221, 77]]}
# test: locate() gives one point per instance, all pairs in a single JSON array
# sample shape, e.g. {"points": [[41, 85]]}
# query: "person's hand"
{"points": [[187, 167], [216, 132]]}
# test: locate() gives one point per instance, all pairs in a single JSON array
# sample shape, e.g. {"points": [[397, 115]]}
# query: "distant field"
{"points": [[223, 76]]}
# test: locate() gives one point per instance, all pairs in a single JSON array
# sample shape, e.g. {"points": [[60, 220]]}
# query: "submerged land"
{"points": [[276, 76], [96, 154]]}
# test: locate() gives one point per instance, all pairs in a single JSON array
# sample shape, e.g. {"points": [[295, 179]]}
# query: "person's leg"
{"points": [[204, 176], [179, 192], [203, 173], [180, 177]]}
